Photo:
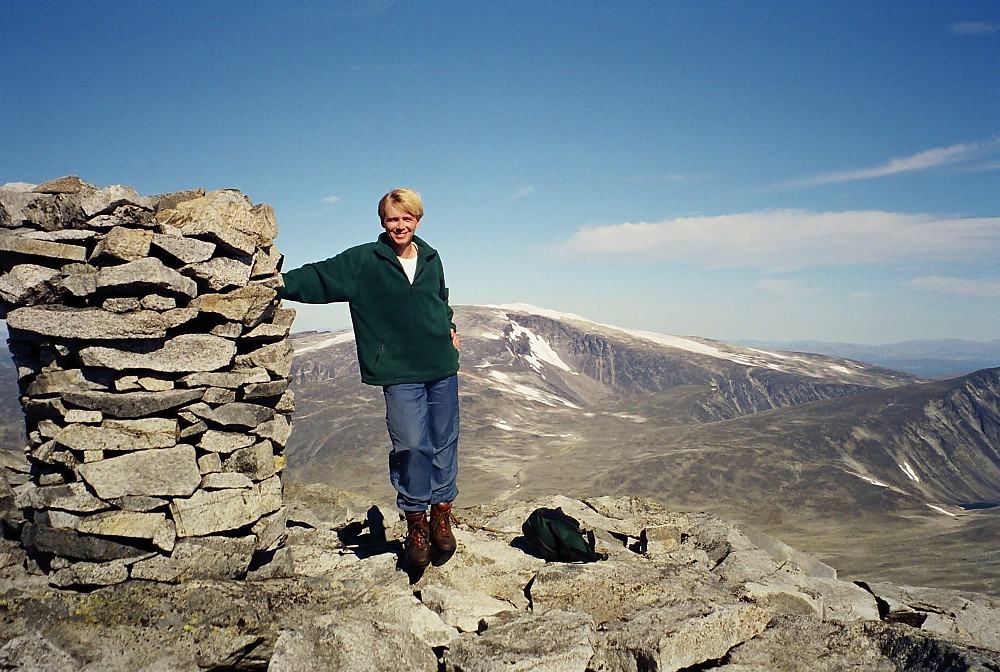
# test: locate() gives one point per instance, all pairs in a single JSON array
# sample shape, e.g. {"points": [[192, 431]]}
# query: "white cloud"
{"points": [[331, 199], [931, 158], [782, 240], [974, 28], [521, 193], [987, 289]]}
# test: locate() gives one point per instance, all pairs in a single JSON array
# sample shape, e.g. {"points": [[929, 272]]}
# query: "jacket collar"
{"points": [[383, 249]]}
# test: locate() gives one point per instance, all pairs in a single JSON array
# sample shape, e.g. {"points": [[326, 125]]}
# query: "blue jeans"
{"points": [[422, 419]]}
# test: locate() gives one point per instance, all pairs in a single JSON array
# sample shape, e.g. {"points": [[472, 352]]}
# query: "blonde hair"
{"points": [[406, 200]]}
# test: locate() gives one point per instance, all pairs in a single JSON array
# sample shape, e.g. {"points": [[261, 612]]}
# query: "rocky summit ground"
{"points": [[678, 591]]}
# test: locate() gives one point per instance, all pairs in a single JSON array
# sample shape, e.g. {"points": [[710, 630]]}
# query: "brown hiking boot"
{"points": [[418, 547], [441, 535]]}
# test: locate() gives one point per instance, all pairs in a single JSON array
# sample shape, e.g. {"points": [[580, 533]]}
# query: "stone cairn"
{"points": [[153, 366]]}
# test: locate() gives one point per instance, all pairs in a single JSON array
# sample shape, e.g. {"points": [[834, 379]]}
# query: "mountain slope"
{"points": [[535, 382], [844, 458]]}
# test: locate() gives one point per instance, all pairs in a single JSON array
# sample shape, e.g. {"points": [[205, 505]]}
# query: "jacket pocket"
{"points": [[378, 356]]}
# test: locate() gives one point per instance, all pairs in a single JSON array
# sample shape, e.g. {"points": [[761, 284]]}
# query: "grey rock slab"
{"points": [[225, 481], [123, 244], [185, 250], [270, 490], [131, 404], [275, 357], [158, 302], [551, 641], [277, 430], [227, 330], [32, 652], [842, 601], [121, 435], [49, 212], [226, 217], [219, 395], [164, 472], [783, 599], [76, 236], [70, 544], [218, 441], [210, 463], [228, 379], [186, 352], [90, 574], [279, 564], [273, 388], [973, 617], [96, 323], [170, 200], [271, 530], [146, 274], [240, 414], [130, 524], [782, 551], [140, 503], [26, 284], [679, 636], [199, 558], [43, 249], [210, 511], [121, 304], [221, 272], [77, 415], [279, 326], [265, 261], [106, 200], [613, 590], [256, 461], [462, 609], [60, 381], [355, 646], [69, 184], [68, 497], [79, 279], [248, 305]]}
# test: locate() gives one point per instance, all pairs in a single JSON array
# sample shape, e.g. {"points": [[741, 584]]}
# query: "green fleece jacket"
{"points": [[402, 331]]}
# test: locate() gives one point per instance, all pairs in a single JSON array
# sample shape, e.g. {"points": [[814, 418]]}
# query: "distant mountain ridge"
{"points": [[943, 358]]}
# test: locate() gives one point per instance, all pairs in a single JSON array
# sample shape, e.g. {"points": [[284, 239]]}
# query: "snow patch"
{"points": [[873, 481], [839, 369], [629, 416], [540, 349], [908, 470], [491, 336], [940, 510], [530, 393], [500, 424], [344, 337], [763, 359], [544, 312]]}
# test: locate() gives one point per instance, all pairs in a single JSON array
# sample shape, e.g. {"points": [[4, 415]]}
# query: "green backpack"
{"points": [[554, 536]]}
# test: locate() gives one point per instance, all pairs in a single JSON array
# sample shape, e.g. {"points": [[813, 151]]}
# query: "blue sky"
{"points": [[732, 170]]}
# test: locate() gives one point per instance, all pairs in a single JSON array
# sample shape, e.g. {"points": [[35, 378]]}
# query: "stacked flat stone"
{"points": [[153, 366]]}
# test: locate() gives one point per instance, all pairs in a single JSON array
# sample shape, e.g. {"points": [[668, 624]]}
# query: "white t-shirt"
{"points": [[409, 265]]}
